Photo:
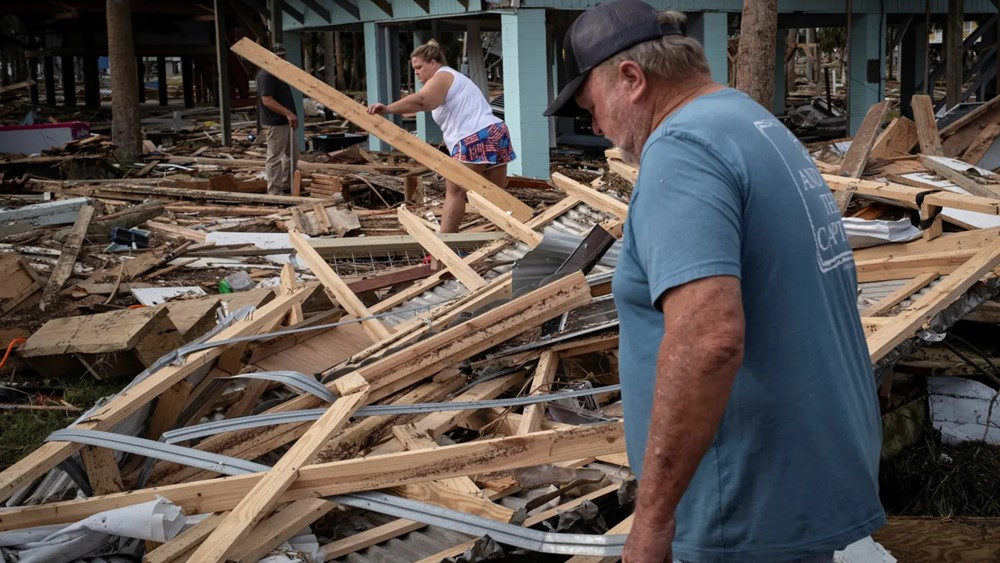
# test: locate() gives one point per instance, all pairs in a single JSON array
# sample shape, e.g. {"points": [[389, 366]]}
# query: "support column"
{"points": [[140, 72], [711, 29], [187, 80], [222, 62], [867, 64], [525, 74], [427, 130], [161, 78], [911, 64], [954, 52], [812, 61], [293, 47], [277, 32], [33, 75], [780, 46], [69, 81], [91, 81], [376, 74], [474, 57], [50, 80]]}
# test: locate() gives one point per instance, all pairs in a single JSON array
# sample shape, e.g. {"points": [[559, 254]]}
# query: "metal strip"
{"points": [[526, 538], [294, 379], [271, 419], [226, 465]]}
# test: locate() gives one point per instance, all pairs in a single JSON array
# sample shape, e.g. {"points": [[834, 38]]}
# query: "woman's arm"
{"points": [[428, 98]]}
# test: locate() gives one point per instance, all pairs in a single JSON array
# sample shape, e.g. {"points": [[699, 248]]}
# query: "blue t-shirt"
{"points": [[726, 190]]}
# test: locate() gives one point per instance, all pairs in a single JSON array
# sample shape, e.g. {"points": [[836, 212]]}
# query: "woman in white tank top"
{"points": [[474, 136]]}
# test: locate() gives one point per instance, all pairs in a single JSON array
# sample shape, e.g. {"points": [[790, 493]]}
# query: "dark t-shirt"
{"points": [[268, 85]]}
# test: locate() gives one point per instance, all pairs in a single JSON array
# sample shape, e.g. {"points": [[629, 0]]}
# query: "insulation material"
{"points": [[865, 550], [960, 409], [862, 233], [158, 520], [303, 548], [151, 296]]}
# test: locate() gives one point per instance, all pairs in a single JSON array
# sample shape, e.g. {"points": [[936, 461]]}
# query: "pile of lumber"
{"points": [[432, 410]]}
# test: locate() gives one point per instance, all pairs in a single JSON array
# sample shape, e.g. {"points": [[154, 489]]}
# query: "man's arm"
{"points": [[270, 103], [699, 357]]}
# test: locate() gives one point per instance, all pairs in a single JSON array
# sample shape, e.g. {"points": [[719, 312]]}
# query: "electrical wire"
{"points": [[10, 347]]}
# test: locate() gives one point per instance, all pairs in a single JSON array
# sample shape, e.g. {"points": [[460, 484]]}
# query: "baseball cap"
{"points": [[278, 49], [597, 35]]}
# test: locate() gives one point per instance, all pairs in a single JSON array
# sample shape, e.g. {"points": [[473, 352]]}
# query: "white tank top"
{"points": [[464, 111]]}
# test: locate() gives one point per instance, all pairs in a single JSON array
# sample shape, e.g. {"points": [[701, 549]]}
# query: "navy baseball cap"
{"points": [[599, 34]]}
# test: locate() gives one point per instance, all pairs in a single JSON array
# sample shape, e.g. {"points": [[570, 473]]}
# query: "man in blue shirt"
{"points": [[751, 415]]}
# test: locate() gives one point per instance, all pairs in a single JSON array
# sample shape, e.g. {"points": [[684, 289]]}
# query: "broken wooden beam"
{"points": [[438, 249], [340, 477], [67, 257], [861, 146]]}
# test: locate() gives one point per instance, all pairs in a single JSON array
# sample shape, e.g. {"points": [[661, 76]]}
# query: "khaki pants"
{"points": [[280, 162]]}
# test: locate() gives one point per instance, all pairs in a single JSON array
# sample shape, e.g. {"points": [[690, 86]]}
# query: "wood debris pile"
{"points": [[360, 400]]}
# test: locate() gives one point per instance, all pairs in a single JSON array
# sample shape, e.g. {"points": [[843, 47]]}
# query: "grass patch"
{"points": [[21, 432]]}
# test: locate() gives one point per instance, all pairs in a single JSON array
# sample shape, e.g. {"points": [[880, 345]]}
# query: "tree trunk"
{"points": [[791, 41], [338, 49], [329, 63], [954, 37], [125, 128], [755, 56]]}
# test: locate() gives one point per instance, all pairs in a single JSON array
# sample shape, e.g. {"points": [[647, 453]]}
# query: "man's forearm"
{"points": [[695, 373]]}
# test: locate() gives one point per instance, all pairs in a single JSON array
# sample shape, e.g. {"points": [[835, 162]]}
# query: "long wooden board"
{"points": [[951, 287], [864, 140], [375, 472], [67, 258], [264, 496], [428, 239], [382, 128], [927, 131], [590, 196]]}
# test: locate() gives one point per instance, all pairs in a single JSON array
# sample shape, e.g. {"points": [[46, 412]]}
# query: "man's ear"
{"points": [[633, 79]]}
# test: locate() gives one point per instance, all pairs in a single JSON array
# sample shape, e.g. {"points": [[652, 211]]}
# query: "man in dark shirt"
{"points": [[279, 120]]}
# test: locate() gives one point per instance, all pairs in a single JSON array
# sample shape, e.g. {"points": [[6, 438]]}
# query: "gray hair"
{"points": [[669, 57]]}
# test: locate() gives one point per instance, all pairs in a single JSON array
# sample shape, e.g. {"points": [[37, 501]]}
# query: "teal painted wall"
{"points": [[525, 83]]}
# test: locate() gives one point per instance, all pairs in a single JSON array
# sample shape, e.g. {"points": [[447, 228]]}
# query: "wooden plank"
{"points": [[190, 234], [896, 140], [184, 541], [427, 239], [625, 170], [38, 462], [854, 161], [440, 495], [168, 407], [67, 257], [289, 284], [267, 492], [382, 128], [20, 281], [507, 223], [955, 540], [367, 538], [934, 301], [885, 304], [340, 477], [959, 134], [981, 144], [976, 181], [590, 196], [102, 470], [911, 265], [163, 192], [927, 131], [531, 420], [281, 526], [907, 194], [336, 286], [93, 334], [414, 439]]}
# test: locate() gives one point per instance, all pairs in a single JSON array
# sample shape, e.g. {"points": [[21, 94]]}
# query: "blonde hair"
{"points": [[669, 57], [430, 51]]}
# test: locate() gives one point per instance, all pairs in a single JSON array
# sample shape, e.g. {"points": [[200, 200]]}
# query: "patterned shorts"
{"points": [[490, 146]]}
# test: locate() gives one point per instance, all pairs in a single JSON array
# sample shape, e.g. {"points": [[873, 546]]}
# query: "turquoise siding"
{"points": [[525, 83]]}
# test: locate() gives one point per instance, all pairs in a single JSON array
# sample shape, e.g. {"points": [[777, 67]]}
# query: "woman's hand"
{"points": [[378, 109]]}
